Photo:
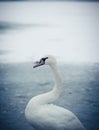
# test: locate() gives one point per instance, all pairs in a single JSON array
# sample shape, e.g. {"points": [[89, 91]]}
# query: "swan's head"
{"points": [[47, 60]]}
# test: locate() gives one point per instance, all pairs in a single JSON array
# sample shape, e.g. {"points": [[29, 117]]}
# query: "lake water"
{"points": [[19, 82]]}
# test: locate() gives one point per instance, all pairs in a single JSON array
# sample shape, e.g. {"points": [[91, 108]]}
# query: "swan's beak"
{"points": [[41, 62]]}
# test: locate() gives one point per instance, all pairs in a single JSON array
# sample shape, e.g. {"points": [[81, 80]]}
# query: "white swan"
{"points": [[45, 116]]}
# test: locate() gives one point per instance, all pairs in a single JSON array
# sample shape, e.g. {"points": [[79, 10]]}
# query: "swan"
{"points": [[43, 115]]}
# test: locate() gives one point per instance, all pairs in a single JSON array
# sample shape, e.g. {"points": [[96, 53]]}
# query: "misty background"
{"points": [[68, 30]]}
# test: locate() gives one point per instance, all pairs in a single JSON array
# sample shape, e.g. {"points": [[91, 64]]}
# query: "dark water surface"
{"points": [[19, 82]]}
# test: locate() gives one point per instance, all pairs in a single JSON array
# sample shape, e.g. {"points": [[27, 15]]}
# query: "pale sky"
{"points": [[67, 30]]}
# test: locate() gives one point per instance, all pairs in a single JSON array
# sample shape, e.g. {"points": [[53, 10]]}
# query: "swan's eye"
{"points": [[44, 59]]}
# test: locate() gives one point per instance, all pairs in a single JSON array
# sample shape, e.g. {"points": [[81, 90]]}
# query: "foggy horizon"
{"points": [[31, 30]]}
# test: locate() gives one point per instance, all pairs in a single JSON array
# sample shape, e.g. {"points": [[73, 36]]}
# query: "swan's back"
{"points": [[52, 117]]}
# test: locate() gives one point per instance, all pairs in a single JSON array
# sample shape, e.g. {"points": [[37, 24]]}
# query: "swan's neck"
{"points": [[54, 93], [57, 78]]}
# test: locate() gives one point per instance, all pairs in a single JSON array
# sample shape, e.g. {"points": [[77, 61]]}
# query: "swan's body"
{"points": [[44, 116]]}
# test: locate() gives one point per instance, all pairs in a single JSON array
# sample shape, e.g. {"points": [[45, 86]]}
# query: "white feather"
{"points": [[45, 116]]}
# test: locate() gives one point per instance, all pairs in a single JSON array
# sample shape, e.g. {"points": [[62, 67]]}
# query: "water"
{"points": [[19, 82]]}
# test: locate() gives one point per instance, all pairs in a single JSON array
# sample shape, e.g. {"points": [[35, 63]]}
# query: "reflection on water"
{"points": [[19, 82]]}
